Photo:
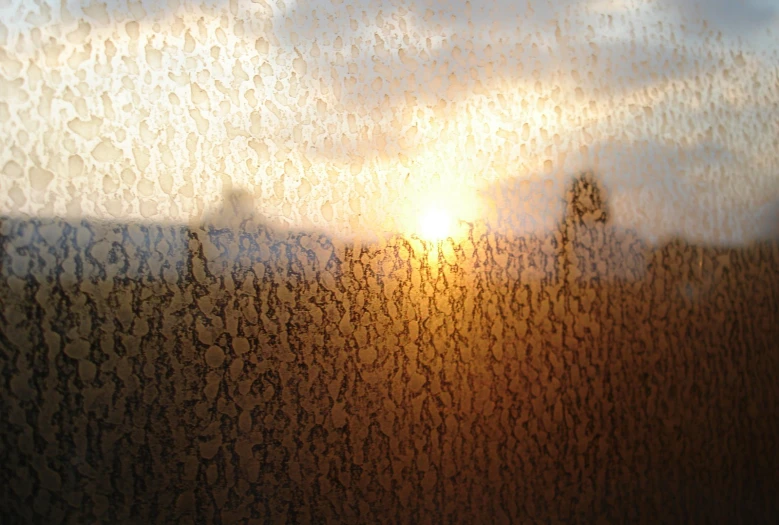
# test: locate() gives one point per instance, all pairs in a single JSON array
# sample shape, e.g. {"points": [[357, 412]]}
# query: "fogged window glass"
{"points": [[396, 261]]}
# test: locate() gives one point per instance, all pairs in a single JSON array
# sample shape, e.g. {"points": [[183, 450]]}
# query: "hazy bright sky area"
{"points": [[358, 116]]}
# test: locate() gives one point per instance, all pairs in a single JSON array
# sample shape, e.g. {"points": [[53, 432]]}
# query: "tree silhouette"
{"points": [[586, 202], [582, 229]]}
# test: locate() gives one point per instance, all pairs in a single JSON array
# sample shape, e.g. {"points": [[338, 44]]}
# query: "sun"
{"points": [[436, 224], [437, 213]]}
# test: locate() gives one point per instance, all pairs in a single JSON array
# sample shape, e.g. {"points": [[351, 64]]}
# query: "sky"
{"points": [[369, 116]]}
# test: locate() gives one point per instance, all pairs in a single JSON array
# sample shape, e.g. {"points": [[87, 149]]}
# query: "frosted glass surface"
{"points": [[391, 261], [325, 112]]}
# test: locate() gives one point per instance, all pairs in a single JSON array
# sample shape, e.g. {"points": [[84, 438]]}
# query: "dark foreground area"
{"points": [[166, 374]]}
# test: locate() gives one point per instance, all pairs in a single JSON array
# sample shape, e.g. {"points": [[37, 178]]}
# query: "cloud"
{"points": [[443, 53], [728, 15]]}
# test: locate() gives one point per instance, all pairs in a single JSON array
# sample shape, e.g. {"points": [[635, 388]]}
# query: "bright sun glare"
{"points": [[436, 224]]}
